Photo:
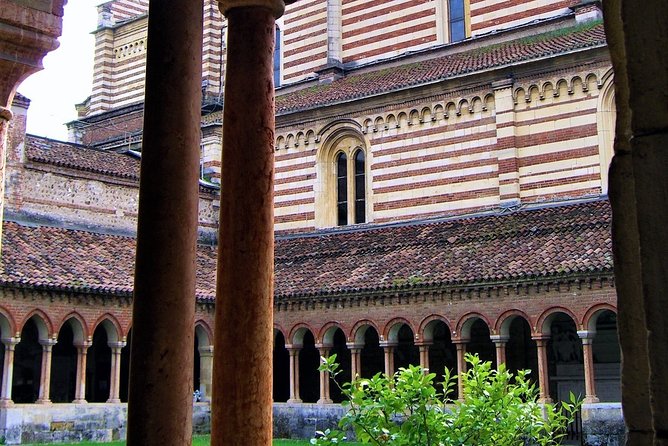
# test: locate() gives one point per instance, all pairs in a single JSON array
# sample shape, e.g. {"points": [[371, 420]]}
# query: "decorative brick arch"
{"points": [[44, 324], [463, 330], [591, 316], [111, 326], [78, 325], [427, 326], [279, 329], [391, 330], [503, 322], [358, 331], [543, 324], [7, 324], [326, 335], [296, 336], [204, 333]]}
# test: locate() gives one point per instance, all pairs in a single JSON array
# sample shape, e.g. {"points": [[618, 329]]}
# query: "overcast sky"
{"points": [[67, 76]]}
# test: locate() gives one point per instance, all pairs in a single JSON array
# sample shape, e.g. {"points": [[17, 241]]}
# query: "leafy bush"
{"points": [[498, 409]]}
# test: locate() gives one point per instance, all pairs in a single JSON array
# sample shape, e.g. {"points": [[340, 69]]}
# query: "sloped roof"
{"points": [[386, 80], [74, 156], [552, 242]]}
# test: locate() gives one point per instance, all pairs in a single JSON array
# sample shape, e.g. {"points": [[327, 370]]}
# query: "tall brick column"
{"points": [[161, 358], [45, 377], [82, 355], [543, 376], [241, 411]]}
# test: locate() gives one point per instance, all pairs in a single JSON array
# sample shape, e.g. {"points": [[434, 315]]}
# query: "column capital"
{"points": [[84, 345], [499, 339], [207, 350], [116, 345], [353, 346], [540, 337], [386, 344], [6, 113], [48, 342], [276, 6], [11, 342], [586, 335], [320, 346], [293, 347]]}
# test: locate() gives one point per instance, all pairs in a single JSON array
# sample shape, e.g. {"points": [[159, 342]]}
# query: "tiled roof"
{"points": [[548, 243], [73, 156], [440, 68]]}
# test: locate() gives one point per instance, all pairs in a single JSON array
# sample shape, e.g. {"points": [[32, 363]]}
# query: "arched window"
{"points": [[350, 188]]}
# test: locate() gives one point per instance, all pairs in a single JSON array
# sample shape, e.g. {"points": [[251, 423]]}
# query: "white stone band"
{"points": [[277, 6]]}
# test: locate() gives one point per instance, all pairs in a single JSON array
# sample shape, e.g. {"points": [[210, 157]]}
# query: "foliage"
{"points": [[407, 409]]}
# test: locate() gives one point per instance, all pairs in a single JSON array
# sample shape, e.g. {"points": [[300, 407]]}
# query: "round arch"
{"points": [[465, 323], [426, 330], [111, 326], [78, 325], [359, 330], [327, 332], [391, 330], [7, 324], [503, 322], [297, 333], [43, 323], [606, 116], [545, 319], [591, 316]]}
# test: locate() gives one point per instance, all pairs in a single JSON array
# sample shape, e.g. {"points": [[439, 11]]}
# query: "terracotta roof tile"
{"points": [[554, 242], [440, 68], [78, 157]]}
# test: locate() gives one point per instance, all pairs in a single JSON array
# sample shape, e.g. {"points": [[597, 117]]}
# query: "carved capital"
{"points": [[5, 113], [277, 6]]}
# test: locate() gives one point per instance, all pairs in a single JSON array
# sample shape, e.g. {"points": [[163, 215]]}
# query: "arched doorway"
{"points": [[28, 361], [564, 358], [281, 369], [442, 352], [406, 353], [521, 351], [479, 341], [371, 356], [309, 376], [64, 364], [335, 339], [607, 357], [98, 365]]}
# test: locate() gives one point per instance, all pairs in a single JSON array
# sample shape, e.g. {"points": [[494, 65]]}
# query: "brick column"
{"points": [[115, 374], [509, 174], [205, 371], [161, 358], [388, 351], [294, 374], [45, 376], [355, 360], [241, 412], [587, 338], [5, 117], [500, 344], [424, 357], [82, 355], [8, 371], [543, 376], [461, 366], [324, 378]]}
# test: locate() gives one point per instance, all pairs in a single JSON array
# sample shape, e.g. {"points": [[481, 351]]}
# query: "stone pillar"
{"points": [[324, 378], [587, 338], [460, 345], [5, 117], [500, 342], [82, 355], [161, 358], [115, 378], [355, 360], [8, 371], [543, 376], [45, 376], [508, 158], [205, 371], [241, 412], [424, 357], [294, 374], [388, 350]]}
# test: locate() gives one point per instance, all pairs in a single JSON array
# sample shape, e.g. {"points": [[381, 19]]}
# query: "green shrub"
{"points": [[498, 409]]}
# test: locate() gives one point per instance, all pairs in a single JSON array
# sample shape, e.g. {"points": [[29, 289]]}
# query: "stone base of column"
{"points": [[544, 400], [591, 400], [294, 401], [43, 401], [113, 400], [324, 401], [6, 403], [79, 402]]}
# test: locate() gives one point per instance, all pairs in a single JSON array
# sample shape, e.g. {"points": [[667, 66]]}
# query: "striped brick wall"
{"points": [[375, 29], [490, 15], [213, 49], [514, 143], [304, 38], [127, 9]]}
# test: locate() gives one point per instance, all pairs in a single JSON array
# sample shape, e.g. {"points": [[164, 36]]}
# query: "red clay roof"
{"points": [[73, 156], [553, 242], [385, 80]]}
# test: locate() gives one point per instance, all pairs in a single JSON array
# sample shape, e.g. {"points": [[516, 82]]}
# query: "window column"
{"points": [[205, 371], [460, 344], [355, 359], [424, 356], [324, 377], [45, 376], [8, 371], [294, 373], [115, 378], [388, 351], [500, 342], [543, 376], [82, 355], [587, 338]]}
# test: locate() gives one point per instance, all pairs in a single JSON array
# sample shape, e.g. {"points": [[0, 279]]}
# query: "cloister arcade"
{"points": [[563, 352]]}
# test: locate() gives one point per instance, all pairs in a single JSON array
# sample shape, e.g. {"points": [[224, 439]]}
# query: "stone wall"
{"points": [[602, 424]]}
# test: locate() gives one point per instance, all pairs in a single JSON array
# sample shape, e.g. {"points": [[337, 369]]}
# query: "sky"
{"points": [[67, 76]]}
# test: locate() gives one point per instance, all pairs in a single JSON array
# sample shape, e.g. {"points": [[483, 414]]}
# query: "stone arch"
{"points": [[414, 117], [426, 329], [476, 105], [289, 141], [7, 324], [463, 330], [204, 334], [463, 105], [561, 88], [367, 126], [592, 81], [326, 334], [450, 109], [78, 326], [279, 329], [577, 86], [503, 322], [489, 102], [296, 336], [533, 94], [438, 112], [591, 316], [519, 95], [402, 119], [392, 122], [111, 326], [426, 115], [43, 323], [299, 138], [309, 137], [356, 334], [547, 90], [545, 319], [391, 329], [280, 143]]}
